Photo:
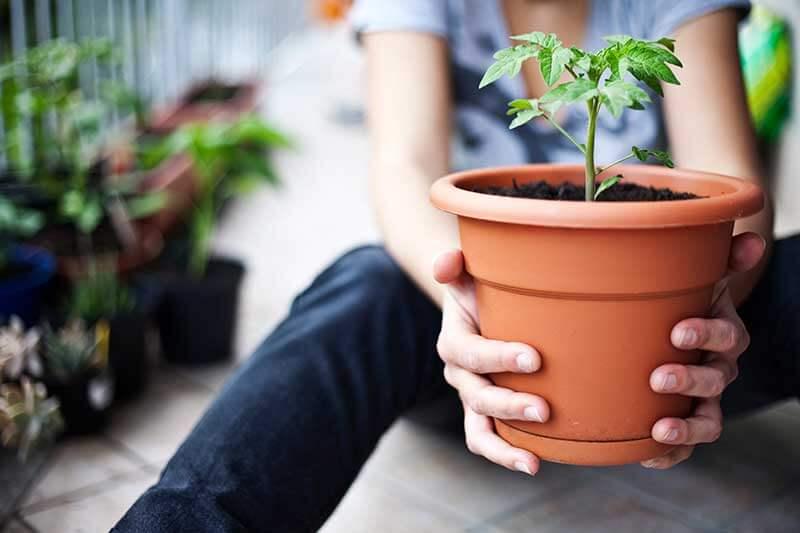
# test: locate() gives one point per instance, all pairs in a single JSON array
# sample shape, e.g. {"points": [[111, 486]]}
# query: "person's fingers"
{"points": [[482, 397], [482, 356], [482, 440], [448, 266], [670, 459], [724, 335], [706, 381], [747, 249], [704, 426]]}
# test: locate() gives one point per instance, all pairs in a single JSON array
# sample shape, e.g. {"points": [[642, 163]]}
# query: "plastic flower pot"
{"points": [[21, 291], [128, 353], [85, 401], [197, 317], [596, 288]]}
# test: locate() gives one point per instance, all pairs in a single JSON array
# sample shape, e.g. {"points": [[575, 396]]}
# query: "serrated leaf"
{"points": [[552, 62], [607, 184], [578, 90], [619, 94], [534, 37], [667, 43], [618, 39], [523, 117], [508, 62]]}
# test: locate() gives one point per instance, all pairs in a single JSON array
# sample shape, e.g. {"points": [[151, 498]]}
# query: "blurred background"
{"points": [[176, 164]]}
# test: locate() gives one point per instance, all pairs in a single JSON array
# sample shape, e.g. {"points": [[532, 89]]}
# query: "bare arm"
{"points": [[707, 119], [409, 119]]}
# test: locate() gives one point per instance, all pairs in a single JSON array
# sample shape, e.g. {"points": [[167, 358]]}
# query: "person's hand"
{"points": [[723, 337], [467, 356]]}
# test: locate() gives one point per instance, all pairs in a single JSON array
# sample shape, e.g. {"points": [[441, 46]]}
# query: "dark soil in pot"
{"points": [[85, 401], [621, 192], [197, 317]]}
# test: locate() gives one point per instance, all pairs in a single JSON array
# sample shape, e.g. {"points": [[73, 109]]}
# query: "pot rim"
{"points": [[745, 199]]}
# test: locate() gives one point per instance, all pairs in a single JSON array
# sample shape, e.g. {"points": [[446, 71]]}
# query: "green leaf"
{"points": [[552, 62], [667, 43], [619, 94], [145, 205], [643, 154], [523, 117], [618, 39], [88, 219], [537, 37], [508, 62], [607, 184], [579, 90]]}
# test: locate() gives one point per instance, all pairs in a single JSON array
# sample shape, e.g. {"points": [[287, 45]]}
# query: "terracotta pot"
{"points": [[596, 288], [187, 109]]}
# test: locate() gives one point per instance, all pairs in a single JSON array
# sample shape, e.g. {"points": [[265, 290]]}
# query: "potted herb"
{"points": [[211, 100], [197, 313], [76, 371], [101, 297], [592, 271], [24, 270]]}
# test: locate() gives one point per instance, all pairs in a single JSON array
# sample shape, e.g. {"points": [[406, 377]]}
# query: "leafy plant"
{"points": [[229, 160], [16, 222], [599, 80], [28, 418], [19, 350], [74, 349], [100, 295]]}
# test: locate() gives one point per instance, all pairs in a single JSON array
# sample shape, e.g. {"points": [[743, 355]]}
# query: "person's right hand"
{"points": [[467, 356]]}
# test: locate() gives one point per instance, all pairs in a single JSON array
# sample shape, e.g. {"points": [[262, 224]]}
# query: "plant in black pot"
{"points": [[197, 315], [101, 297], [28, 417], [24, 270], [76, 371]]}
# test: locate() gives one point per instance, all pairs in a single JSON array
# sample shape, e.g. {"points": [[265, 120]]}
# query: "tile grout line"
{"points": [[16, 517], [125, 450]]}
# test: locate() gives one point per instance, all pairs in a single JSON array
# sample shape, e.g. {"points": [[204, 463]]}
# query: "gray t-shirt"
{"points": [[475, 29]]}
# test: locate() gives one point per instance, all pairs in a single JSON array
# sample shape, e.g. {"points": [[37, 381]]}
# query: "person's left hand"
{"points": [[723, 337]]}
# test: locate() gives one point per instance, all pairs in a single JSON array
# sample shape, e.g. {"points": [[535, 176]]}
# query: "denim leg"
{"points": [[769, 370], [288, 434]]}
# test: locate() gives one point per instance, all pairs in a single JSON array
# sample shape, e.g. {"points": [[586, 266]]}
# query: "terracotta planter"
{"points": [[596, 288], [188, 109]]}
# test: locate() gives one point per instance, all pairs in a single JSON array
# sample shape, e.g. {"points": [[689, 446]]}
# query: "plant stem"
{"points": [[202, 225], [591, 170], [617, 162], [566, 134]]}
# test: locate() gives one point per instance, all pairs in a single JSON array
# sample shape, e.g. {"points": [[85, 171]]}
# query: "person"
{"points": [[288, 434]]}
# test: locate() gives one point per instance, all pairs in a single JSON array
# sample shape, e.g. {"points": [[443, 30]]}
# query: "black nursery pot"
{"points": [[197, 317], [85, 401], [128, 353]]}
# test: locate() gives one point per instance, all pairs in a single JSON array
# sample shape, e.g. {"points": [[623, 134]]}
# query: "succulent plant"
{"points": [[28, 418], [19, 350], [100, 295], [72, 350]]}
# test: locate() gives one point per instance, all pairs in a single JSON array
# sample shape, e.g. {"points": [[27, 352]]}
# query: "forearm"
{"points": [[414, 231]]}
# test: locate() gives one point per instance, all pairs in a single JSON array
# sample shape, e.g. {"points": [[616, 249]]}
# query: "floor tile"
{"points": [[212, 377], [442, 471], [98, 512], [15, 526], [375, 505], [154, 426], [769, 437], [76, 464], [593, 507], [781, 515]]}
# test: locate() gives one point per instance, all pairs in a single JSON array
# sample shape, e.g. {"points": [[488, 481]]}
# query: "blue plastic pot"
{"points": [[22, 294]]}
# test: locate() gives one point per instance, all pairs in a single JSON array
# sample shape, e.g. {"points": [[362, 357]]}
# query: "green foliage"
{"points": [[28, 418], [599, 80], [16, 222], [230, 160], [70, 351], [101, 295], [607, 184]]}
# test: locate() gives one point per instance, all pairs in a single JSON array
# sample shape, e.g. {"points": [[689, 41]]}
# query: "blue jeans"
{"points": [[289, 433]]}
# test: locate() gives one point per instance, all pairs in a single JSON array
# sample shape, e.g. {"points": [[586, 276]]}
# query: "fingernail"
{"points": [[525, 362], [532, 413], [667, 382], [671, 435], [649, 463], [522, 467], [688, 337]]}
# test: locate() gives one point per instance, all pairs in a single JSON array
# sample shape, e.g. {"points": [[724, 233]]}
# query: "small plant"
{"points": [[28, 418], [73, 350], [230, 160], [101, 295], [598, 81], [19, 351]]}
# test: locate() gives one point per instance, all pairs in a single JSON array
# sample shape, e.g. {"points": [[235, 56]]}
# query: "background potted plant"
{"points": [[197, 313], [595, 285], [24, 270], [28, 417], [76, 371]]}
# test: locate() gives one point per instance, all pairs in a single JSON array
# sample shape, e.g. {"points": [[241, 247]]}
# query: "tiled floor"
{"points": [[419, 480]]}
